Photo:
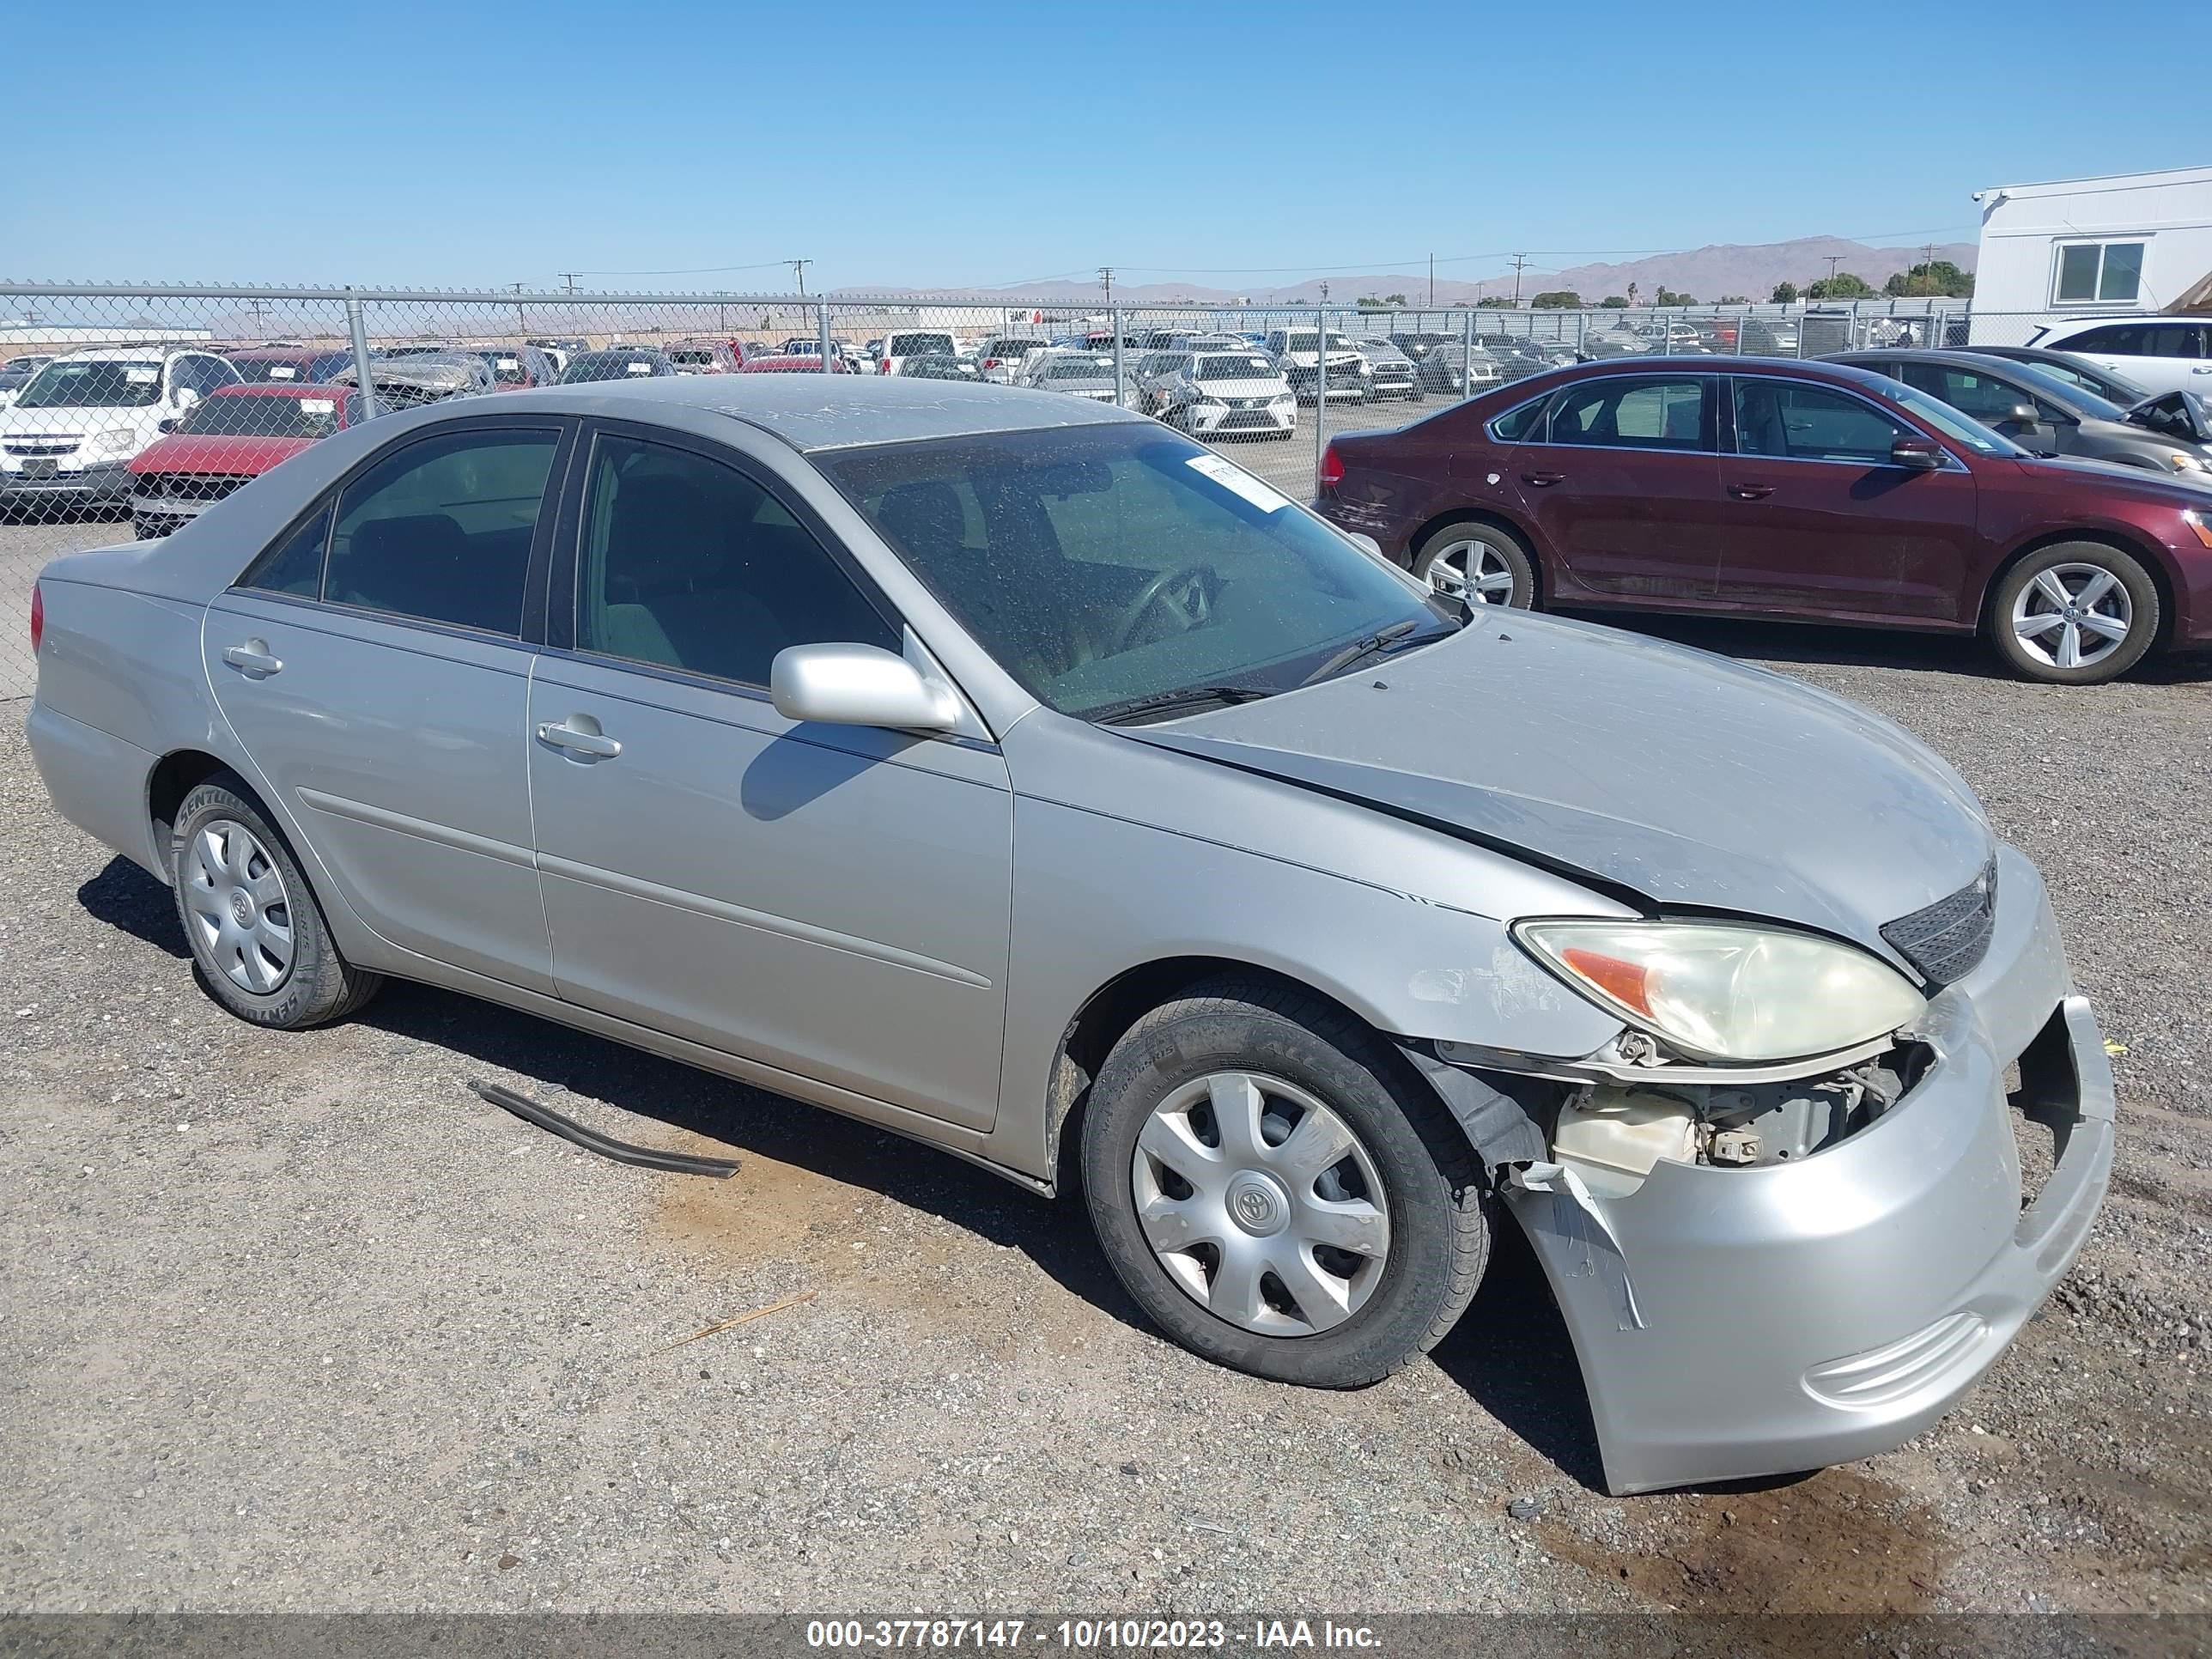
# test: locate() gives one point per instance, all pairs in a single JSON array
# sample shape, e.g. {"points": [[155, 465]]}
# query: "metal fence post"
{"points": [[358, 327], [1466, 354], [1118, 404], [1321, 393], [825, 311]]}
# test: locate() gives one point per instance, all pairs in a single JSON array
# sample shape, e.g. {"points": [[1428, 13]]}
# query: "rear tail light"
{"points": [[884, 367], [1331, 468], [38, 617]]}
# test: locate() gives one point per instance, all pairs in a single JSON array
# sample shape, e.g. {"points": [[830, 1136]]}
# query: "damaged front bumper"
{"points": [[1741, 1322]]}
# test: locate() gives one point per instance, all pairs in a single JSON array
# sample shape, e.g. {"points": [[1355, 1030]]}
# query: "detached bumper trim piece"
{"points": [[1804, 1314]]}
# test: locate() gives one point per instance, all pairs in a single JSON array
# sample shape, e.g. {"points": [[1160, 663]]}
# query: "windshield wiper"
{"points": [[1381, 640], [1184, 696]]}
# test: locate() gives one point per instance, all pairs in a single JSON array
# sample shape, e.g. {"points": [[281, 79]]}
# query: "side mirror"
{"points": [[1917, 454], [2020, 414], [858, 685], [1368, 543], [186, 400], [168, 426]]}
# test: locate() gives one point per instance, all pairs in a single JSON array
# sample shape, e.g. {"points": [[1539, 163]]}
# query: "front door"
{"points": [[1822, 523], [833, 901], [374, 666], [1621, 490]]}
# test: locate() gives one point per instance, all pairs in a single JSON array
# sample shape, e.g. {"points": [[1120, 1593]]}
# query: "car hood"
{"points": [[1689, 782], [1259, 386], [2060, 473], [16, 418], [183, 451]]}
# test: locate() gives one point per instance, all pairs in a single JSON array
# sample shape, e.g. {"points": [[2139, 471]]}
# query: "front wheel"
{"points": [[1277, 1192], [2075, 614], [1478, 563]]}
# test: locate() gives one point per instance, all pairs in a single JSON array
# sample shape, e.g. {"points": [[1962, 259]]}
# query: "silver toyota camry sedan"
{"points": [[1008, 770]]}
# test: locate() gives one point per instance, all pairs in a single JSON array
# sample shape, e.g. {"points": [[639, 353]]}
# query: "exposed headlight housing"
{"points": [[1726, 992], [2199, 525], [109, 441], [2182, 461]]}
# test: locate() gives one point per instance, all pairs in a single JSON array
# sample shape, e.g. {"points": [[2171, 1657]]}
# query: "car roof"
{"points": [[273, 353], [131, 353], [1819, 369], [285, 389], [831, 411]]}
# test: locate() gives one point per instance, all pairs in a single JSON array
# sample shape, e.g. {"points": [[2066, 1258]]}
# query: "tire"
{"points": [[1357, 1316], [224, 850], [2038, 619], [1506, 568]]}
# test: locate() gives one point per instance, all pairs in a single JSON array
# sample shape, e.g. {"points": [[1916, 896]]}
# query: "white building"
{"points": [[2083, 247]]}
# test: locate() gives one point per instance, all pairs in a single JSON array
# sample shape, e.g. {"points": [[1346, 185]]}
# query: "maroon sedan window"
{"points": [[1622, 411]]}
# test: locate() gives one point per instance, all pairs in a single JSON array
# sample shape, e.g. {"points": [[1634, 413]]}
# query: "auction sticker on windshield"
{"points": [[1267, 498]]}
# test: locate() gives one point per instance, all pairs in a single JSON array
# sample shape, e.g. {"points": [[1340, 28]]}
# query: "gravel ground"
{"points": [[297, 1322]]}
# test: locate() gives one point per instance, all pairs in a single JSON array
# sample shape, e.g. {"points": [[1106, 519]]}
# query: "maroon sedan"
{"points": [[1782, 489]]}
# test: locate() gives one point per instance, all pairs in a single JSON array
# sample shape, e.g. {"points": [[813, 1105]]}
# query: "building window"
{"points": [[2098, 273]]}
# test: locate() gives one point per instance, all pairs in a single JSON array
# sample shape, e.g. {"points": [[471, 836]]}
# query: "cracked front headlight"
{"points": [[1723, 991]]}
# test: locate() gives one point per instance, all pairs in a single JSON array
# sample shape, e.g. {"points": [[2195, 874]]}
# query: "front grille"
{"points": [[1243, 420], [1947, 939], [189, 486], [41, 447]]}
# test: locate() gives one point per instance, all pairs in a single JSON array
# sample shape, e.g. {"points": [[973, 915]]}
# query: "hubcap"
{"points": [[1261, 1204], [239, 911], [1471, 570], [2072, 616]]}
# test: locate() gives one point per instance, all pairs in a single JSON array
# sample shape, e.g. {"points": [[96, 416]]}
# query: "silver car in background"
{"points": [[1219, 391], [1085, 374], [1014, 773]]}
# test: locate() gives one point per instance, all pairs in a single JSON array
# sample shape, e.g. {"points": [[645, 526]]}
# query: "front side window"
{"points": [[440, 530], [687, 563], [1103, 564], [1792, 420], [2098, 273], [1636, 413]]}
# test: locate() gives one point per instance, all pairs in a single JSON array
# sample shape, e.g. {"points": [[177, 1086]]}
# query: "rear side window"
{"points": [[2120, 339], [1617, 412], [1521, 425], [295, 565], [440, 530]]}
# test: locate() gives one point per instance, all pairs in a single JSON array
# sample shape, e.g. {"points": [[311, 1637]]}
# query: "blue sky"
{"points": [[670, 145]]}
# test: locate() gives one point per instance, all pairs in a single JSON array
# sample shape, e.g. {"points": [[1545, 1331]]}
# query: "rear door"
{"points": [[1623, 488], [1821, 523], [375, 665]]}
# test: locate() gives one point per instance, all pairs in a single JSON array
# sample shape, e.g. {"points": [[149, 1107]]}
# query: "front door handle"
{"points": [[1541, 479], [1751, 492], [255, 658], [581, 736]]}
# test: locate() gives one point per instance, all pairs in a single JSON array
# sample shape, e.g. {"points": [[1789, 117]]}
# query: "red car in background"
{"points": [[233, 435], [793, 363], [1777, 487]]}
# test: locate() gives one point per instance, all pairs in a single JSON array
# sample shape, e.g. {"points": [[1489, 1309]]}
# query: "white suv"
{"points": [[2159, 353], [72, 431]]}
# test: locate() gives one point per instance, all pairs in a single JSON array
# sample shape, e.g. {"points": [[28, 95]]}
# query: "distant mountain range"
{"points": [[1707, 273]]}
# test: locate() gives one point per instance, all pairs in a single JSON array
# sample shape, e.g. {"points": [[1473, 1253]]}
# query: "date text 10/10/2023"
{"points": [[1155, 1635]]}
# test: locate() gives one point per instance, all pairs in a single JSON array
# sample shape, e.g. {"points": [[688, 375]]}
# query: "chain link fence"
{"points": [[124, 410]]}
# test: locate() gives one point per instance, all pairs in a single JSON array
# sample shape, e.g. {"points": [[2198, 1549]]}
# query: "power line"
{"points": [[696, 270]]}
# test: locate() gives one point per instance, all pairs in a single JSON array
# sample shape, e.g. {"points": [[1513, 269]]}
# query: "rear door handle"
{"points": [[1541, 479], [254, 658], [1751, 492], [584, 739]]}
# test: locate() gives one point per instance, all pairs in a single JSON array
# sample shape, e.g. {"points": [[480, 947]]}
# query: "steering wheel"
{"points": [[1186, 592]]}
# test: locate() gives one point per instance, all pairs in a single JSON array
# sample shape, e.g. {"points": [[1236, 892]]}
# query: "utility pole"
{"points": [[521, 327], [1106, 275], [1833, 259], [1324, 292], [1520, 264], [798, 271], [569, 280], [1432, 282]]}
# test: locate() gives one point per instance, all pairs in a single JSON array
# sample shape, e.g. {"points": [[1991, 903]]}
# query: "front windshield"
{"points": [[101, 384], [1951, 423], [1080, 368], [1102, 564], [265, 415], [1235, 368], [609, 365]]}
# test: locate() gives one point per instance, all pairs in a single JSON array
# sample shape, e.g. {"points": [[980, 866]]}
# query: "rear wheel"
{"points": [[1276, 1193], [2075, 614], [256, 932], [1480, 564]]}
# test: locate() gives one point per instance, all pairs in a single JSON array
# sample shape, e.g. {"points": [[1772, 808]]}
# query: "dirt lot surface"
{"points": [[296, 1321]]}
